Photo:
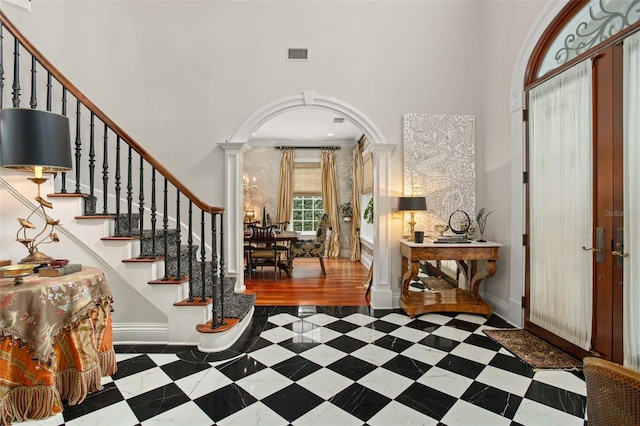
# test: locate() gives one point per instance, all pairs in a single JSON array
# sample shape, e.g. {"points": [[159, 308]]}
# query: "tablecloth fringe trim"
{"points": [[74, 386], [34, 402]]}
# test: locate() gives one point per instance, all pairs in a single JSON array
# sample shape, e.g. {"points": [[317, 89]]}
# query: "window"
{"points": [[307, 210], [307, 196]]}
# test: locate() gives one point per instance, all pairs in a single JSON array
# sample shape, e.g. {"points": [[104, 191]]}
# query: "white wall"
{"points": [[182, 76], [506, 24]]}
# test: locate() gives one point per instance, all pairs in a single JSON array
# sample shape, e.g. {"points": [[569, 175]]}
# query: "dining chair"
{"points": [[314, 247], [264, 250]]}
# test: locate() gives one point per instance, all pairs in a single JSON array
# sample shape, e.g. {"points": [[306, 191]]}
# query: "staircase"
{"points": [[180, 297], [125, 208]]}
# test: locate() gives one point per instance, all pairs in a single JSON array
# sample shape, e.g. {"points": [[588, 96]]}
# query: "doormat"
{"points": [[534, 351]]}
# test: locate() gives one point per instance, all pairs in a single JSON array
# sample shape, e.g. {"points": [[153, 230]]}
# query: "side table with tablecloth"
{"points": [[55, 342]]}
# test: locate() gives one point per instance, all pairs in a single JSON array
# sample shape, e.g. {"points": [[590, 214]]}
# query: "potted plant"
{"points": [[347, 211], [368, 212]]}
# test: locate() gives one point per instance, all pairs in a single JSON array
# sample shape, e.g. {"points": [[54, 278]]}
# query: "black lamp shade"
{"points": [[412, 203], [30, 138]]}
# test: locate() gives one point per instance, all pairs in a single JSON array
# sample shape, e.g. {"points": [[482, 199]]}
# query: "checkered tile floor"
{"points": [[336, 366]]}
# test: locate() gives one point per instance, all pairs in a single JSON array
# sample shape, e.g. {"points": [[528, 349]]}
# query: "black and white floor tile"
{"points": [[335, 366]]}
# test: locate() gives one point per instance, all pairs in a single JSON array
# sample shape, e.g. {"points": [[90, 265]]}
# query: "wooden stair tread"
{"points": [[172, 280], [197, 301], [143, 259], [206, 327]]}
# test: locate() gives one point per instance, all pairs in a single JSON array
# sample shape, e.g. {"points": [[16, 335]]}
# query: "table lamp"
{"points": [[35, 141], [249, 216], [412, 204]]}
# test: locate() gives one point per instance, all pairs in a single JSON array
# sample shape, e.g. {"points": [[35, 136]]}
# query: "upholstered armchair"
{"points": [[313, 247]]}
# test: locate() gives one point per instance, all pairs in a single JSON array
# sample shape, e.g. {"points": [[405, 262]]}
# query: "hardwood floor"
{"points": [[342, 286]]}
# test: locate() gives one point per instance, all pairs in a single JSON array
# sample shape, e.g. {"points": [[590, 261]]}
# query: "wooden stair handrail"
{"points": [[105, 119]]}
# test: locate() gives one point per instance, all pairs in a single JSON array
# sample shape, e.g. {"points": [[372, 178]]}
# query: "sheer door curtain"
{"points": [[631, 148], [560, 204]]}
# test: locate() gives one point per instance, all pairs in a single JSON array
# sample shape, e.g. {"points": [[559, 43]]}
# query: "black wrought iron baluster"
{"points": [[222, 264], [118, 177], [129, 193], [16, 74], [217, 293], [203, 265], [49, 87], [1, 65], [105, 172], [63, 187], [92, 157], [154, 252], [190, 251], [141, 206], [165, 228], [78, 145], [179, 275], [33, 101]]}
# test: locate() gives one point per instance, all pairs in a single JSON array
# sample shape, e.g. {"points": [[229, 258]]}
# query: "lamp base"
{"points": [[37, 257]]}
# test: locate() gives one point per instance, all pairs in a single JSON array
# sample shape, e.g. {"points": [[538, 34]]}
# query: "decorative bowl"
{"points": [[17, 271]]}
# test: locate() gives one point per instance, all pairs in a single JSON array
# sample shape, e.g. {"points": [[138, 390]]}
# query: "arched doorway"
{"points": [[381, 294], [600, 329]]}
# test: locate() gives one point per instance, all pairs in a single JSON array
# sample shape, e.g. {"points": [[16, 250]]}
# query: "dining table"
{"points": [[281, 237], [56, 342]]}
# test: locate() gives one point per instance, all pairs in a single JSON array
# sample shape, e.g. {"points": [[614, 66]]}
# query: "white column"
{"points": [[381, 293], [233, 203]]}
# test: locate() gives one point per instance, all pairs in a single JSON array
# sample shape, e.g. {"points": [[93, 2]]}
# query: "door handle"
{"points": [[619, 251], [598, 250]]}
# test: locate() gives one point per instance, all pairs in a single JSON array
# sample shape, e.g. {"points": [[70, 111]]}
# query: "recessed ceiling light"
{"points": [[330, 134]]}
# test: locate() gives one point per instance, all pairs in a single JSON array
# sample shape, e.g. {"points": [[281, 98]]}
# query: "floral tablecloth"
{"points": [[55, 342]]}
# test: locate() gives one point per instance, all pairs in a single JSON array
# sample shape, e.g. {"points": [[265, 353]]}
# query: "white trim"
{"points": [[499, 307], [551, 9], [138, 332], [23, 4], [217, 342], [381, 295]]}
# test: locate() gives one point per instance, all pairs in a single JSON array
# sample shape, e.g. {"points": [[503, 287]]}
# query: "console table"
{"points": [[55, 342], [457, 299]]}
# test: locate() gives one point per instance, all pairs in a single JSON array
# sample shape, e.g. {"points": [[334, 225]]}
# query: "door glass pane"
{"points": [[597, 21]]}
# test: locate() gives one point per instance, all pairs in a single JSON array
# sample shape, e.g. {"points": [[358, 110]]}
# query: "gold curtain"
{"points": [[354, 252], [285, 186], [330, 200]]}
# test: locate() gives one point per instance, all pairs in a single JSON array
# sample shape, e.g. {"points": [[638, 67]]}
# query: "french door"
{"points": [[583, 261], [608, 209]]}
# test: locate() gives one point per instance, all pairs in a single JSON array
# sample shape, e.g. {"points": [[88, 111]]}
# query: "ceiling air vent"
{"points": [[297, 54], [338, 119]]}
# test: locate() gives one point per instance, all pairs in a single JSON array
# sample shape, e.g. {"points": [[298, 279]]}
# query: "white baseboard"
{"points": [[499, 307], [135, 333]]}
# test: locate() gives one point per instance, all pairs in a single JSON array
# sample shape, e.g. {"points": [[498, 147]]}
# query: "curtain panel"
{"points": [[560, 205], [285, 186], [631, 149], [330, 200], [354, 251]]}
